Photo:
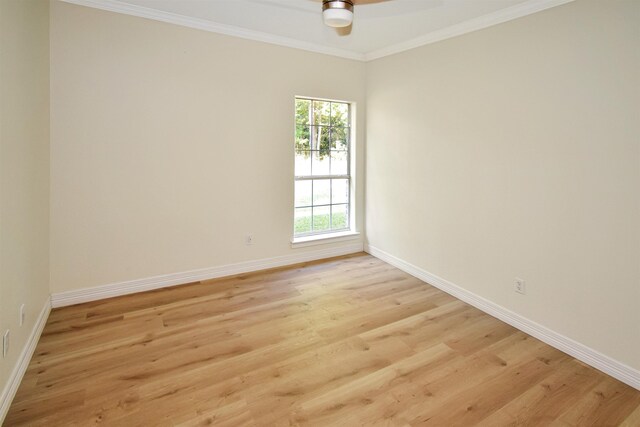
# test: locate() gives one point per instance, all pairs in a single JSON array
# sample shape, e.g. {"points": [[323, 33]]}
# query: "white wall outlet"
{"points": [[520, 286], [5, 343], [22, 314], [249, 239]]}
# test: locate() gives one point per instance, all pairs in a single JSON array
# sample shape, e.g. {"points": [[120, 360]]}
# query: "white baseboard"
{"points": [[604, 363], [11, 387], [156, 282]]}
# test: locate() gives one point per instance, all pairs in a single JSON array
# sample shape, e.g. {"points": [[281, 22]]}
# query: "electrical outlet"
{"points": [[520, 286], [22, 314], [249, 239], [5, 343]]}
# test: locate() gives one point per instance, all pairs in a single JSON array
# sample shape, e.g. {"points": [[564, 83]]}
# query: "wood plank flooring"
{"points": [[348, 341]]}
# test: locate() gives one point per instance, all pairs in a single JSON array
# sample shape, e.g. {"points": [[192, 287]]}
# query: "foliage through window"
{"points": [[322, 167]]}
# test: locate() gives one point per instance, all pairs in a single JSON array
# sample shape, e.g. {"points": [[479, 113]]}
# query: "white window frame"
{"points": [[331, 235]]}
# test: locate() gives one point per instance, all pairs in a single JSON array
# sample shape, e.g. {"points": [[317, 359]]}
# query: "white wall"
{"points": [[169, 145], [24, 172], [514, 151]]}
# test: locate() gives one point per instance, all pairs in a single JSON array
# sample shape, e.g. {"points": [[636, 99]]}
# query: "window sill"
{"points": [[322, 239]]}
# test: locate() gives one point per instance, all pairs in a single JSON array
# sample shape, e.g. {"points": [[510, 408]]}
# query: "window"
{"points": [[322, 167]]}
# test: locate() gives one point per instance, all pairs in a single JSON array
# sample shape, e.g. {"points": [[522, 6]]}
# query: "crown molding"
{"points": [[518, 11], [214, 27], [475, 24]]}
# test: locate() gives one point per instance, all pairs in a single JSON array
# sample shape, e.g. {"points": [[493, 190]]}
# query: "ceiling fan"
{"points": [[339, 13]]}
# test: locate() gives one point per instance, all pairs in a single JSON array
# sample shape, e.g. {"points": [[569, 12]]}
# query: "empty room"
{"points": [[320, 212]]}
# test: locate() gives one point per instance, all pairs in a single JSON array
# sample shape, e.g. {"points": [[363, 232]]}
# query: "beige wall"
{"points": [[24, 170], [514, 151], [169, 145]]}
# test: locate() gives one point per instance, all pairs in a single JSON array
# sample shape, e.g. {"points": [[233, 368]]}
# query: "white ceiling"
{"points": [[379, 29]]}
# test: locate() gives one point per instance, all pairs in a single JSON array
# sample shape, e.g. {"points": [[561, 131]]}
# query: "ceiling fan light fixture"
{"points": [[337, 13]]}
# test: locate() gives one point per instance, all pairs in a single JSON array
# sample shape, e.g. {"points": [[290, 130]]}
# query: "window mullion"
{"points": [[308, 177]]}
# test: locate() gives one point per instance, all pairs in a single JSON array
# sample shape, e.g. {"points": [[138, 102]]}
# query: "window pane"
{"points": [[302, 111], [321, 218], [302, 138], [339, 216], [303, 193], [321, 191], [321, 112], [339, 138], [302, 221], [303, 163], [320, 163], [339, 163], [339, 114], [339, 191], [320, 138]]}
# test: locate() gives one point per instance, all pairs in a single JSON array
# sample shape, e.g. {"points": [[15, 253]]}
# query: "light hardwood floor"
{"points": [[348, 341]]}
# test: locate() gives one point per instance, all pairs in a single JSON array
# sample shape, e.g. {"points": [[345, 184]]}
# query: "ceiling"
{"points": [[379, 28]]}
